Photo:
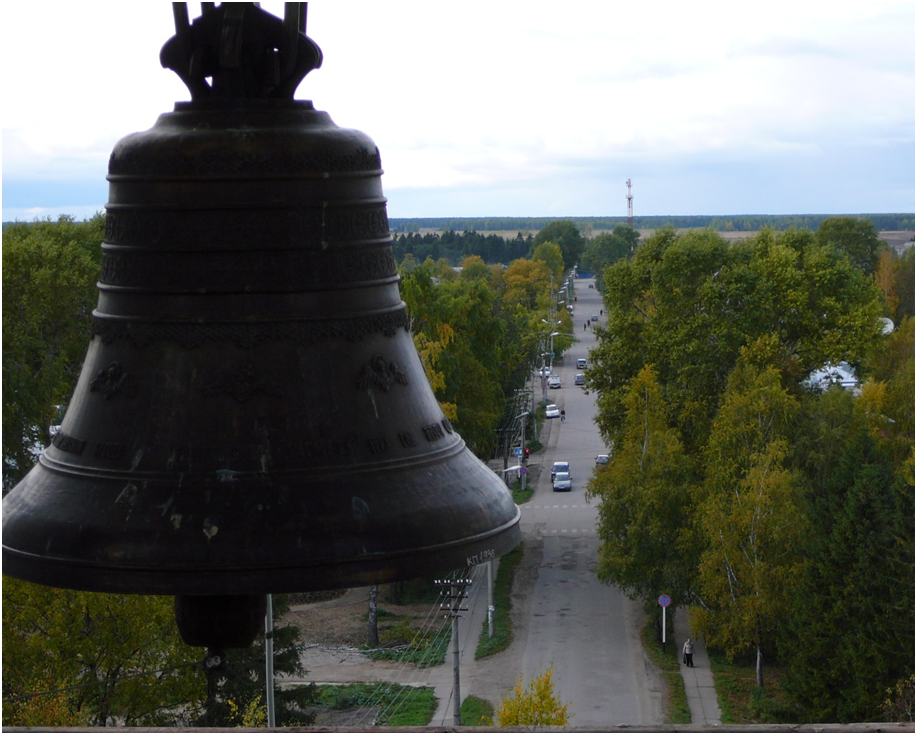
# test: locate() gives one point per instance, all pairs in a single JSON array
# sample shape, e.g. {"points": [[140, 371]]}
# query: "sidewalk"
{"points": [[702, 700]]}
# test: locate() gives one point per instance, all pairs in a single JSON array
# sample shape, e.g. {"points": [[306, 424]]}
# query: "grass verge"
{"points": [[397, 705], [503, 626], [477, 712], [741, 701], [521, 496], [405, 644], [677, 711]]}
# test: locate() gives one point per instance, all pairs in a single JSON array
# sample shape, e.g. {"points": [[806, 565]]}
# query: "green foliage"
{"points": [[646, 501], [741, 701], [118, 658], [534, 705], [398, 705], [677, 711], [567, 236], [551, 255], [791, 509], [243, 681], [855, 607], [750, 515], [729, 223], [50, 271], [503, 624], [521, 496], [904, 284], [421, 647], [607, 249], [477, 712], [688, 304], [854, 236]]}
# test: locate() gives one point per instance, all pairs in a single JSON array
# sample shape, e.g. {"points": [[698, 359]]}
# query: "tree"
{"points": [[854, 236], [533, 706], [688, 304], [607, 249], [243, 681], [567, 236], [904, 284], [750, 516], [850, 631], [645, 503], [473, 267], [550, 254], [50, 270], [105, 658]]}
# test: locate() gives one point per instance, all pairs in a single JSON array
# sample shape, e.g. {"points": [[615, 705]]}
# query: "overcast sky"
{"points": [[515, 108]]}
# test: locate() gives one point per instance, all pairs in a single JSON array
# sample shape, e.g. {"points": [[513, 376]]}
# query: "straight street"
{"points": [[588, 631]]}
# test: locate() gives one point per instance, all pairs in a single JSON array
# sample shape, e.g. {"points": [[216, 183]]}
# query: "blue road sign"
{"points": [[665, 600]]}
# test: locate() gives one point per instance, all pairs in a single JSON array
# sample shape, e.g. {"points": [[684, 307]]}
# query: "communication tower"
{"points": [[630, 206]]}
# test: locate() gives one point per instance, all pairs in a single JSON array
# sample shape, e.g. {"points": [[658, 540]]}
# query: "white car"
{"points": [[553, 382], [562, 482], [601, 460], [559, 467], [552, 412]]}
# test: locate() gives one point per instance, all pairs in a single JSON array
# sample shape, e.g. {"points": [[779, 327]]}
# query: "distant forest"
{"points": [[727, 223]]}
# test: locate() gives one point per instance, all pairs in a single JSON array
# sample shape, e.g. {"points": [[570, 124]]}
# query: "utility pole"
{"points": [[630, 207], [457, 593], [269, 660]]}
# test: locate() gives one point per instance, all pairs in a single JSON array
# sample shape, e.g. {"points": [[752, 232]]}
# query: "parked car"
{"points": [[559, 467], [562, 482], [545, 371], [580, 379], [553, 382], [552, 412], [595, 317], [581, 363], [601, 460]]}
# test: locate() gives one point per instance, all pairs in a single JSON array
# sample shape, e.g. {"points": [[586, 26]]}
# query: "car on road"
{"points": [[552, 412], [595, 317], [601, 460], [559, 467], [562, 482], [553, 382], [581, 363], [545, 371], [580, 379]]}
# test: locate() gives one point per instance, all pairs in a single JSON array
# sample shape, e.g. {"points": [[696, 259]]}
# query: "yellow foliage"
{"points": [[535, 705], [254, 714]]}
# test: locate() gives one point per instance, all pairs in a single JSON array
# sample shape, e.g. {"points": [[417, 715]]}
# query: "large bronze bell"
{"points": [[252, 415]]}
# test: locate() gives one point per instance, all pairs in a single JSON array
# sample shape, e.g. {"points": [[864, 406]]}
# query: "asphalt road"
{"points": [[587, 630]]}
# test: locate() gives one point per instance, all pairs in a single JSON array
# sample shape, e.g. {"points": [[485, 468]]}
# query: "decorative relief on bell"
{"points": [[112, 381], [380, 373]]}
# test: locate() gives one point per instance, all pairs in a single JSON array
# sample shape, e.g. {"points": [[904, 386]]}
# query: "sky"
{"points": [[510, 108]]}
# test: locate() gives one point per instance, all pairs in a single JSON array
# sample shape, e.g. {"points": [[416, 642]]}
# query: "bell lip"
{"points": [[320, 574]]}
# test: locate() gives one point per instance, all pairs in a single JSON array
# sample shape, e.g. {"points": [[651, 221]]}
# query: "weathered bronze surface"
{"points": [[252, 415]]}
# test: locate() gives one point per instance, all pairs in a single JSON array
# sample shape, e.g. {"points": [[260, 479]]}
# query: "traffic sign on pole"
{"points": [[664, 601]]}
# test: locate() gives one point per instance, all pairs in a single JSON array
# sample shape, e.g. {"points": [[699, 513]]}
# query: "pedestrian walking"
{"points": [[563, 415], [689, 653], [585, 325]]}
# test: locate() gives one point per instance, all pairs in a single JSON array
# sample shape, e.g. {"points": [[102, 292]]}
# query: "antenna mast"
{"points": [[630, 206]]}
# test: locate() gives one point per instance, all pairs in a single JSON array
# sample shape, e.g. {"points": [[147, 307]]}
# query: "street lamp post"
{"points": [[524, 469]]}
